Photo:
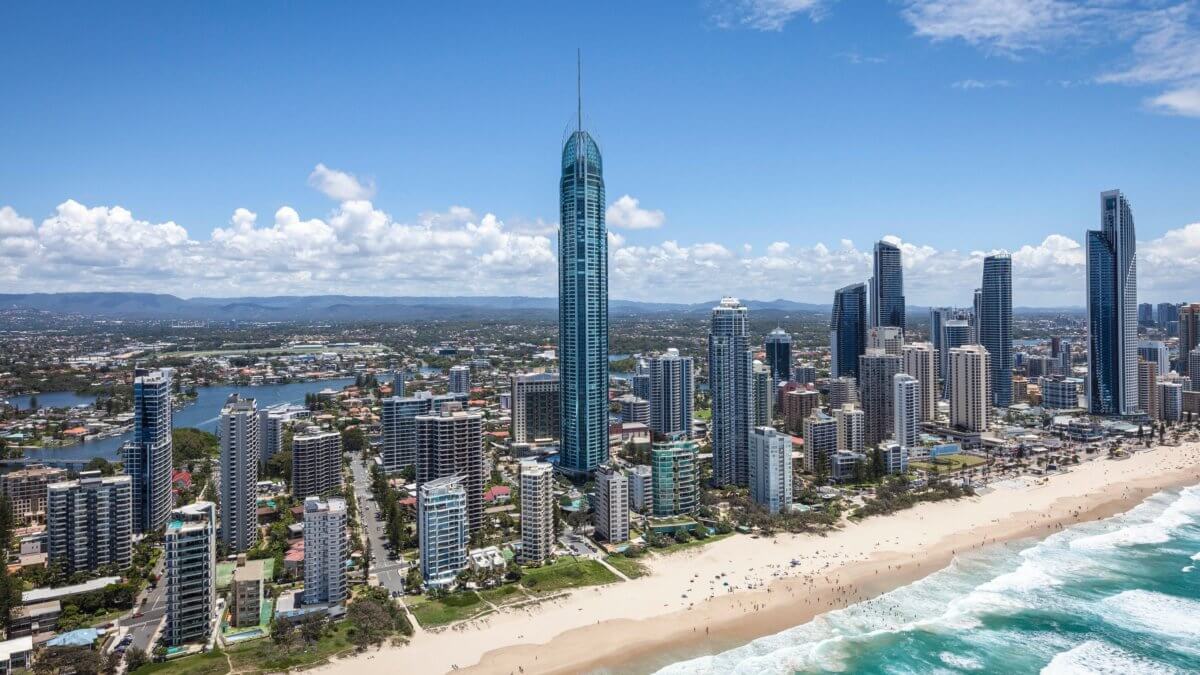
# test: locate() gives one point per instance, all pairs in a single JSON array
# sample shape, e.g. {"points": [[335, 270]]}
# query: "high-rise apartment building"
{"points": [[190, 545], [460, 380], [820, 440], [889, 339], [634, 409], [535, 407], [325, 551], [1148, 374], [887, 287], [970, 401], [1156, 352], [89, 523], [876, 370], [672, 386], [442, 530], [731, 383], [316, 463], [675, 472], [1060, 392], [537, 511], [995, 324], [238, 431], [641, 488], [26, 491], [841, 390], [1146, 314], [955, 333], [906, 407], [804, 373], [764, 394], [147, 458], [399, 426], [771, 469], [848, 330], [919, 359], [778, 349], [798, 404], [583, 306], [1189, 333], [1165, 313], [450, 443], [612, 504], [1170, 397], [1112, 309], [851, 428]]}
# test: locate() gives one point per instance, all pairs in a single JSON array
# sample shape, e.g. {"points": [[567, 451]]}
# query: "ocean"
{"points": [[1120, 595]]}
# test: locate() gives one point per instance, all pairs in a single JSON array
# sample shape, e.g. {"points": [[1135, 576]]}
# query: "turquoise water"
{"points": [[1116, 596]]}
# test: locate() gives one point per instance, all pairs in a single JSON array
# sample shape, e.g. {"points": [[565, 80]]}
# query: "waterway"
{"points": [[201, 413]]}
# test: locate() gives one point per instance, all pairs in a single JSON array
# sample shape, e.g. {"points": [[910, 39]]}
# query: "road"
{"points": [[390, 572], [153, 610]]}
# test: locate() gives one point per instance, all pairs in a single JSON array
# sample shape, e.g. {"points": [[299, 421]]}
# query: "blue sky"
{"points": [[955, 126]]}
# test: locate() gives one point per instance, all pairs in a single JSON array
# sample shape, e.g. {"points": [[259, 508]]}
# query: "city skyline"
{"points": [[390, 216]]}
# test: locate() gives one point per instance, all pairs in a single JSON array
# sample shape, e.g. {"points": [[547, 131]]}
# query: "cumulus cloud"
{"points": [[1000, 25], [360, 249], [339, 185], [765, 15], [627, 212]]}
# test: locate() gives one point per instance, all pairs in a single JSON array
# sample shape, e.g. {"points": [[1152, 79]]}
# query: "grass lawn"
{"points": [[503, 594], [454, 607], [691, 544], [567, 573], [210, 663], [260, 655], [630, 567], [947, 463]]}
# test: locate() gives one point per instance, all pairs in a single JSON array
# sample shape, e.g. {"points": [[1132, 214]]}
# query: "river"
{"points": [[201, 413]]}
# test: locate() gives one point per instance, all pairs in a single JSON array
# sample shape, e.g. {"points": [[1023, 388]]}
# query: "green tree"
{"points": [[192, 445]]}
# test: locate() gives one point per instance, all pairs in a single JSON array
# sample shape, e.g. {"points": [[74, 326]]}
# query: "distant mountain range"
{"points": [[157, 306]]}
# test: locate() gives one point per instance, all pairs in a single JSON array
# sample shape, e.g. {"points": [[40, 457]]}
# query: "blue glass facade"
{"points": [[995, 324], [887, 287], [778, 347], [147, 458], [1112, 309], [583, 307], [848, 330]]}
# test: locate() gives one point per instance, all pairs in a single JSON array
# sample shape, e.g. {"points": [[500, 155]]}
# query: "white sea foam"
{"points": [[1154, 613], [960, 662], [1094, 657], [1196, 557], [1183, 511]]}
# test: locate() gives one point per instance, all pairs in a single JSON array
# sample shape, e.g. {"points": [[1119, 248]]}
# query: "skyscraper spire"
{"points": [[579, 84]]}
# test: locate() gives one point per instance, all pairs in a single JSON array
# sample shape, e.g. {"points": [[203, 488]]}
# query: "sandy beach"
{"points": [[685, 609]]}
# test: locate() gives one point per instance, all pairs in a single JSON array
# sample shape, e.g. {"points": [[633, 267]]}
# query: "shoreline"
{"points": [[680, 611]]}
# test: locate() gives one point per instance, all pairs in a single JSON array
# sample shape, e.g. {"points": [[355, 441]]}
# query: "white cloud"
{"points": [[627, 212], [339, 185], [999, 25], [969, 84], [1185, 101], [766, 15]]}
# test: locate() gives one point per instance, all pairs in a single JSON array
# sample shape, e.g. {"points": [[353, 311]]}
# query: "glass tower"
{"points": [[1112, 309], [778, 347], [995, 324], [731, 383], [848, 330], [582, 306], [147, 457], [887, 287]]}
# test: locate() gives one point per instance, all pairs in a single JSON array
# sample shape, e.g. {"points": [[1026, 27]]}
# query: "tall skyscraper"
{"points": [[460, 380], [190, 576], [848, 330], [147, 457], [955, 333], [1193, 361], [535, 407], [1165, 313], [450, 443], [995, 324], [970, 402], [1146, 314], [326, 550], [764, 394], [1112, 309], [1189, 334], [316, 463], [442, 530], [731, 381], [771, 469], [906, 408], [887, 287], [89, 523], [537, 511], [238, 430], [583, 305], [919, 359], [876, 370], [671, 393], [612, 504], [778, 347], [974, 319], [675, 472]]}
